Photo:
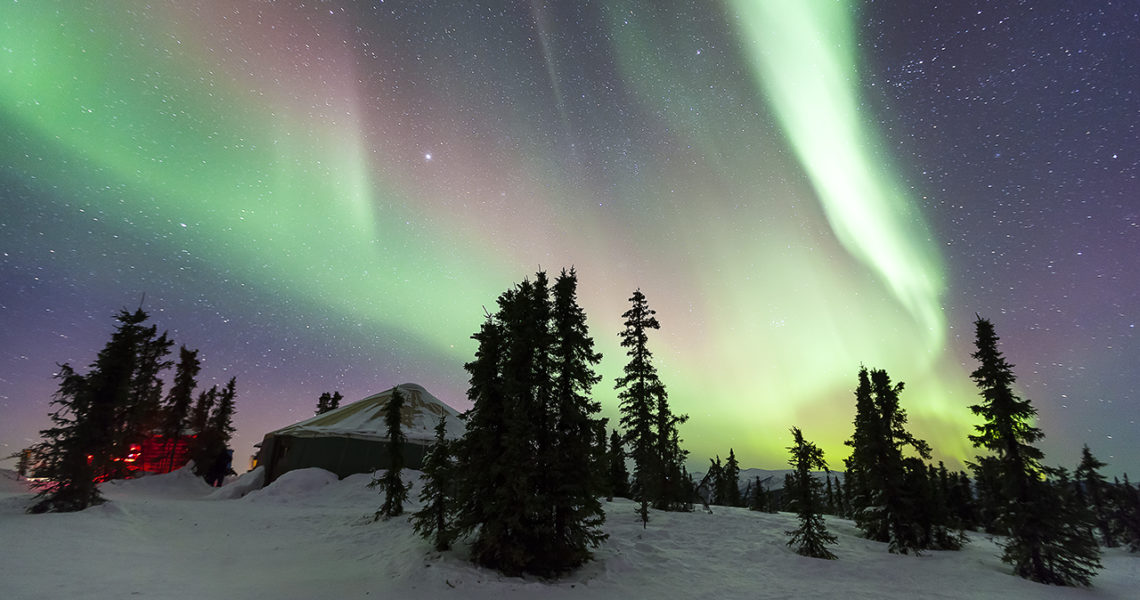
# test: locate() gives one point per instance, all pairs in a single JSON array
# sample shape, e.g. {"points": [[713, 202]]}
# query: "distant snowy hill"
{"points": [[310, 535]]}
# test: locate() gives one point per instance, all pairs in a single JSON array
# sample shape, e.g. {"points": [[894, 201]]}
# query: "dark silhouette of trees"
{"points": [[1094, 491], [659, 477], [618, 473], [91, 421], [893, 497], [1045, 542], [434, 520], [328, 401], [179, 400], [526, 480]]}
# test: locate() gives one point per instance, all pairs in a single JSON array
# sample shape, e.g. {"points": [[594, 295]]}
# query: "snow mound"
{"points": [[182, 483], [247, 482], [295, 484]]}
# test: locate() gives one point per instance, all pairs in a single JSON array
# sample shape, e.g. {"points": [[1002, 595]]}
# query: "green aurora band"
{"points": [[771, 292]]}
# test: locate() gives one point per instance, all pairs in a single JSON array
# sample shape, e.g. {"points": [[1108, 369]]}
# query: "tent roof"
{"points": [[365, 418]]}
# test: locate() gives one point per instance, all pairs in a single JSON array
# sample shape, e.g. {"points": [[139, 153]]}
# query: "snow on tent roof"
{"points": [[364, 419]]}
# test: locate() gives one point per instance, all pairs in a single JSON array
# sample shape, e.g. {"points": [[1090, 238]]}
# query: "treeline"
{"points": [[1053, 523], [524, 481], [101, 417]]}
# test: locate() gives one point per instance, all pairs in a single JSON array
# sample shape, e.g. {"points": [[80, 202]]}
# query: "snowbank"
{"points": [[245, 483], [294, 486], [182, 483], [308, 535]]}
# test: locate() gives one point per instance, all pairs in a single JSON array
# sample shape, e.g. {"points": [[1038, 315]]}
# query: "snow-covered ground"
{"points": [[311, 536]]}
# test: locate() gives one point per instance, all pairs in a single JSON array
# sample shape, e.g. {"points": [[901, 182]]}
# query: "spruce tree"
{"points": [[829, 499], [1127, 515], [142, 414], [200, 414], [758, 500], [80, 449], [213, 439], [328, 401], [883, 506], [715, 481], [323, 403], [1067, 547], [639, 388], [1095, 489], [578, 515], [179, 400], [864, 448], [527, 482], [434, 520], [988, 492], [618, 473], [486, 485], [651, 427], [395, 490], [732, 480], [811, 538], [1029, 511]]}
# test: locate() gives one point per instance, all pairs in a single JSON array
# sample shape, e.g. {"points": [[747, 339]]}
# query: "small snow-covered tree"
{"points": [[434, 521], [395, 490], [811, 538]]}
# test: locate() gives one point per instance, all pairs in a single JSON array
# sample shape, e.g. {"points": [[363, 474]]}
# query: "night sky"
{"points": [[325, 196]]}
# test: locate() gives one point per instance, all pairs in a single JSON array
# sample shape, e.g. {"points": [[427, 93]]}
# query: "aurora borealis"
{"points": [[324, 196]]}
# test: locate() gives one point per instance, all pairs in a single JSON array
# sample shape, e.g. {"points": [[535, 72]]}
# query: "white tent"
{"points": [[353, 438]]}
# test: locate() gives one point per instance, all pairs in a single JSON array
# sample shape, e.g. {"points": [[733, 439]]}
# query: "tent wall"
{"points": [[341, 455]]}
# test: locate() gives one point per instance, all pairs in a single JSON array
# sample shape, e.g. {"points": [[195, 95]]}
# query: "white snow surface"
{"points": [[309, 535]]}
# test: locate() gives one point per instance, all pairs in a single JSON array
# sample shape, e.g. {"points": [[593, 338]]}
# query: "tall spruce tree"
{"points": [[486, 484], [1040, 546], [578, 515], [659, 477], [715, 485], [86, 436], [618, 473], [392, 483], [434, 520], [527, 485], [1095, 490], [200, 414], [639, 388], [179, 401], [864, 444], [811, 538], [142, 415], [884, 507], [207, 448]]}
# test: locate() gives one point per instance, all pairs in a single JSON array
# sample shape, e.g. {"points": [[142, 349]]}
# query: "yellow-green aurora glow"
{"points": [[395, 193]]}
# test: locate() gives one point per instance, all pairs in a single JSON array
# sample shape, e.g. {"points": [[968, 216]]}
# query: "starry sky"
{"points": [[325, 196]]}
